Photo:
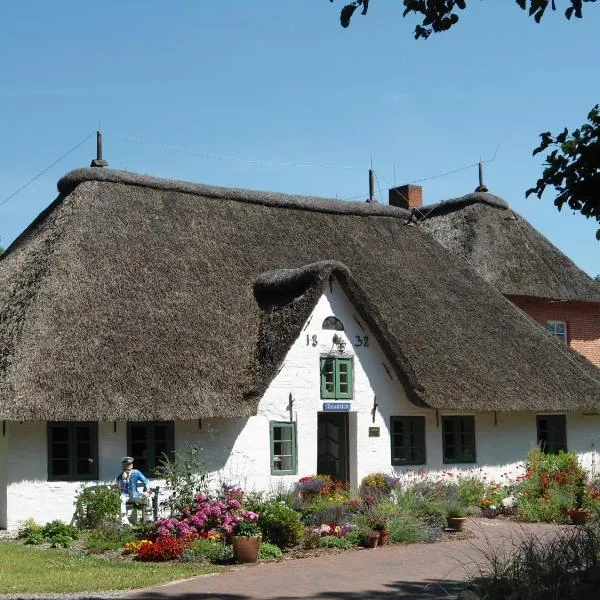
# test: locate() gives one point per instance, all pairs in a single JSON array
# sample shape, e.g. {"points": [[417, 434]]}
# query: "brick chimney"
{"points": [[406, 196]]}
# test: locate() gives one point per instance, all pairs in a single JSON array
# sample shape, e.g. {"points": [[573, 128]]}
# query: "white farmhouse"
{"points": [[282, 335]]}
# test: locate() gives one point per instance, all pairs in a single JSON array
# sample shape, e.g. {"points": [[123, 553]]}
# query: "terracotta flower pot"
{"points": [[456, 523], [579, 517], [384, 538], [373, 540], [246, 548]]}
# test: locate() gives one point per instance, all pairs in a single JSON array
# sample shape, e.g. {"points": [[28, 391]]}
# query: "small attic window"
{"points": [[333, 323]]}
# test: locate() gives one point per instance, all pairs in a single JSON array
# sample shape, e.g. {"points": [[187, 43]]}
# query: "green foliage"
{"points": [[280, 524], [441, 15], [56, 533], [549, 487], [248, 528], [61, 541], [325, 509], [355, 537], [403, 530], [572, 167], [455, 510], [110, 534], [332, 541], [269, 551], [185, 476], [212, 551], [31, 532], [470, 490], [95, 504]]}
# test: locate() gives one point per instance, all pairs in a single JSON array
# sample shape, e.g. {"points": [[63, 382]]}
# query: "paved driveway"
{"points": [[431, 571]]}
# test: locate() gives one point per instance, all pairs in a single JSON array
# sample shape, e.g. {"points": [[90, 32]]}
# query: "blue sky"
{"points": [[280, 82]]}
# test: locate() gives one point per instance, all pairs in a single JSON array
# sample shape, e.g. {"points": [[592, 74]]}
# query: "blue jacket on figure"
{"points": [[131, 479]]}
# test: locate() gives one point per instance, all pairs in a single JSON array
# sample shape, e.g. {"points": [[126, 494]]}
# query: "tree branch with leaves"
{"points": [[573, 167]]}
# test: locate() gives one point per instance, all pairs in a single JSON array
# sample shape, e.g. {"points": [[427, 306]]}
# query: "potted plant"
{"points": [[246, 542], [578, 514], [455, 514], [378, 521]]}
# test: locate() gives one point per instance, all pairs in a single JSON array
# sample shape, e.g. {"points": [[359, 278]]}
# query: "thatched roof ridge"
{"points": [[328, 205], [132, 298], [445, 206], [505, 249]]}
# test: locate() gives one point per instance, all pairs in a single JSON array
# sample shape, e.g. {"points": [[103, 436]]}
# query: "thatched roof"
{"points": [[505, 249], [138, 298]]}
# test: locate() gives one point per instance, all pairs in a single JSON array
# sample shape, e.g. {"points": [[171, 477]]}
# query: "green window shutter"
{"points": [[343, 378], [283, 448], [328, 377]]}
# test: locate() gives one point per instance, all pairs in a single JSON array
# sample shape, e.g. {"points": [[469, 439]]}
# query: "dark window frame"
{"points": [[454, 425], [148, 464], [291, 425], [416, 428], [554, 430], [72, 450]]}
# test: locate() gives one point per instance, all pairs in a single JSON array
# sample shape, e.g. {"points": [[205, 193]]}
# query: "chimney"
{"points": [[406, 196]]}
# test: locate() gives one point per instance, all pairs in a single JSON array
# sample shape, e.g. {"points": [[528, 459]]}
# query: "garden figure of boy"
{"points": [[129, 480]]}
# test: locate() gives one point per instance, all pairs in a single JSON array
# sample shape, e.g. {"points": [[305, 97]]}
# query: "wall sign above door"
{"points": [[336, 406]]}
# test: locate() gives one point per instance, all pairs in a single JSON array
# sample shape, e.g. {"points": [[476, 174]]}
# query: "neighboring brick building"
{"points": [[516, 259]]}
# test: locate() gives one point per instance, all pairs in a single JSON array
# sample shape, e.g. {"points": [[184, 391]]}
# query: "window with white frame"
{"points": [[558, 329]]}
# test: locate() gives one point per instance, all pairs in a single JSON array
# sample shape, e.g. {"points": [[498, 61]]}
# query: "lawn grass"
{"points": [[24, 569]]}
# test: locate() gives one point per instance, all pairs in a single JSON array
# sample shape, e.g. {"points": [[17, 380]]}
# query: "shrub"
{"points": [[31, 532], [470, 490], [407, 531], [355, 537], [95, 504], [212, 551], [376, 486], [110, 534], [324, 509], [186, 476], [269, 551], [57, 533], [61, 541], [549, 487], [208, 516], [332, 541], [280, 524]]}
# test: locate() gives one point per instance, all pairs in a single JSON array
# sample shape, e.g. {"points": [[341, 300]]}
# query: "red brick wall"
{"points": [[582, 319]]}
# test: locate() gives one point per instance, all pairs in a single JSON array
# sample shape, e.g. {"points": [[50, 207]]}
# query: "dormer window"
{"points": [[333, 323], [558, 329]]}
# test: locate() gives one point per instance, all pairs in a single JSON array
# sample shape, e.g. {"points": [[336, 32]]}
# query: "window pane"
{"points": [[60, 451], [286, 463], [60, 433], [83, 434], [59, 468], [85, 466]]}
